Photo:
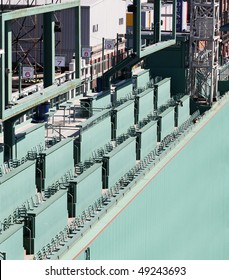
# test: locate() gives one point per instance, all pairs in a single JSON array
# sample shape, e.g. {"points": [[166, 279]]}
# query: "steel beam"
{"points": [[137, 27], [25, 12], [157, 21], [77, 42], [174, 18], [157, 47], [40, 97], [49, 49]]}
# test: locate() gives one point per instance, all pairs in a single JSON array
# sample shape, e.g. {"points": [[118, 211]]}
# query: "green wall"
{"points": [[125, 117], [88, 188], [29, 139], [162, 92], [182, 213], [148, 139], [16, 187], [50, 219], [171, 62], [183, 110], [146, 103], [58, 161], [141, 78], [121, 160], [167, 122], [124, 89], [95, 137], [11, 242]]}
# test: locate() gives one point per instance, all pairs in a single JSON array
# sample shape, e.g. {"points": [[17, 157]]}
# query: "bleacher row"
{"points": [[71, 174]]}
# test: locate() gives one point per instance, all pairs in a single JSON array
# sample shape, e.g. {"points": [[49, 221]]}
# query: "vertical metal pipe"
{"points": [[102, 56], [49, 49], [117, 41], [19, 77], [157, 21], [137, 27], [174, 19], [77, 42]]}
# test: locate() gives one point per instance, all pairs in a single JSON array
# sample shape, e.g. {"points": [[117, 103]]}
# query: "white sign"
{"points": [[27, 72], [60, 61], [86, 52], [109, 44]]}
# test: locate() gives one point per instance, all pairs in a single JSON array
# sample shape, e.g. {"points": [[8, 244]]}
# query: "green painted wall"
{"points": [[121, 160], [88, 188], [124, 89], [16, 187], [51, 220], [11, 242], [171, 62], [167, 122], [125, 117], [102, 101], [148, 139], [146, 103], [141, 78], [183, 111], [29, 139], [162, 92], [182, 213], [58, 161], [94, 138]]}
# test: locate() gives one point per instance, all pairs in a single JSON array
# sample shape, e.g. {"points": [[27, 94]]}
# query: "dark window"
{"points": [[95, 28], [121, 21]]}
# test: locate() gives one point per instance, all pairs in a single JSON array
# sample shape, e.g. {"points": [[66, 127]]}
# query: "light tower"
{"points": [[204, 49]]}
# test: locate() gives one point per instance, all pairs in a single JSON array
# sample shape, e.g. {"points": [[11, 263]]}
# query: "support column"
{"points": [[49, 49], [9, 139], [8, 63], [174, 26], [137, 27], [2, 67], [77, 42], [157, 21]]}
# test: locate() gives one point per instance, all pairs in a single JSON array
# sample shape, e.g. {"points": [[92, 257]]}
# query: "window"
{"points": [[95, 28], [120, 21]]}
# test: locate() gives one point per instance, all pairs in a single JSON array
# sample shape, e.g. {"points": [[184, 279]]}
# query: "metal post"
{"points": [[49, 49], [174, 19], [41, 185], [19, 77], [30, 236], [117, 38], [85, 77], [72, 204], [137, 27], [77, 41], [157, 21], [102, 56]]}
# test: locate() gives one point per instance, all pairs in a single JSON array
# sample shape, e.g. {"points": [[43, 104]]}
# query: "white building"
{"points": [[102, 18]]}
